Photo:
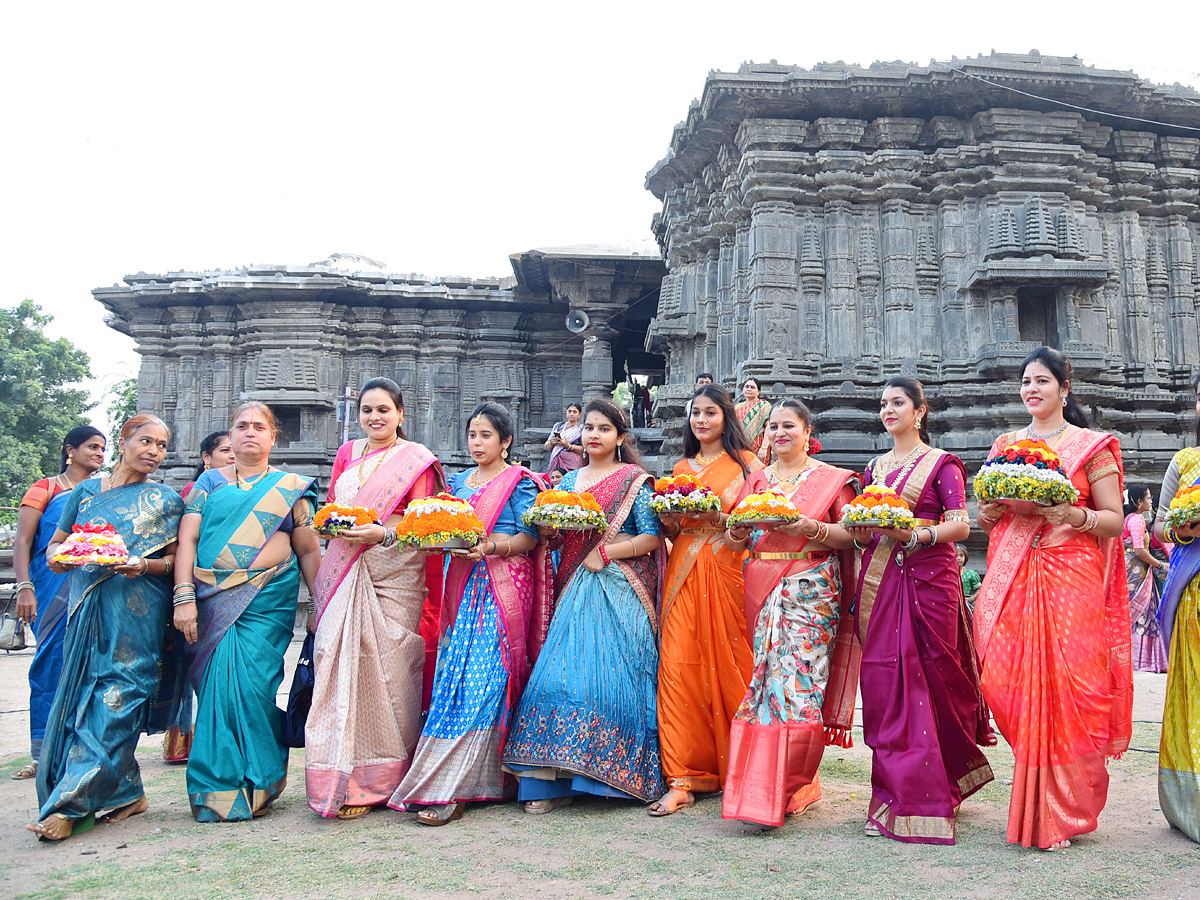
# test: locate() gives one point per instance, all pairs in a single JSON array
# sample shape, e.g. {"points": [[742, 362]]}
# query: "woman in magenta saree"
{"points": [[370, 600], [495, 612], [922, 710]]}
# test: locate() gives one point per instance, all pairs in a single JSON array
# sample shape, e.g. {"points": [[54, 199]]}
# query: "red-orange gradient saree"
{"points": [[1052, 630], [806, 657], [705, 659]]}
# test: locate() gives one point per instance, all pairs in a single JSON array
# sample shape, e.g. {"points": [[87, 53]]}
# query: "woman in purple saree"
{"points": [[922, 710]]}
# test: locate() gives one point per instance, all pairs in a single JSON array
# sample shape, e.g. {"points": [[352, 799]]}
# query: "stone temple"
{"points": [[821, 229]]}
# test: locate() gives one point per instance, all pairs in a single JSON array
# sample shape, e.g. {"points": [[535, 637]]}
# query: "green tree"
{"points": [[122, 397], [39, 399]]}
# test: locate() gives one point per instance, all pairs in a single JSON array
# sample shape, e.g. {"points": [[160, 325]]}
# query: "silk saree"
{"points": [[246, 615], [1052, 627]]}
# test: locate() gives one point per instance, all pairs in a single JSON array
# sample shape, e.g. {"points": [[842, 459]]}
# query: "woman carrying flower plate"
{"points": [[116, 681], [495, 612], [1052, 621], [798, 619], [1146, 571], [922, 711], [706, 657], [1179, 618], [371, 600], [587, 722], [753, 415]]}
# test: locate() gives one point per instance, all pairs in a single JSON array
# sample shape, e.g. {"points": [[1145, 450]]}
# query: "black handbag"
{"points": [[12, 629], [300, 696]]}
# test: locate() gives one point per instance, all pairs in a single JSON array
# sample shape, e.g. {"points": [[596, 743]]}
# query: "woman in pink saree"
{"points": [[495, 612], [374, 605], [1052, 622], [923, 715]]}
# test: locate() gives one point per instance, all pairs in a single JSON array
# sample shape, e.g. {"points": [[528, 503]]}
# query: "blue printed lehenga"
{"points": [[117, 643]]}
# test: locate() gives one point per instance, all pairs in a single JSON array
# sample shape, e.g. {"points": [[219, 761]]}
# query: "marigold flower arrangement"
{"points": [[683, 494], [763, 507], [878, 506], [92, 545], [1025, 470], [1185, 507], [332, 519], [567, 510], [442, 521]]}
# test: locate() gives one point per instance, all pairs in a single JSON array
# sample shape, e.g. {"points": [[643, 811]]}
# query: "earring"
{"points": [[1064, 401], [504, 453], [618, 454]]}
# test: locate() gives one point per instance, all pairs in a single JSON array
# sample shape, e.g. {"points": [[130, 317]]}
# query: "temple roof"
{"points": [[532, 267], [959, 88]]}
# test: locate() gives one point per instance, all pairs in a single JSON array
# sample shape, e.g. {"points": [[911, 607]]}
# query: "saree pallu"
{"points": [[1052, 624], [370, 654], [246, 615], [588, 722], [1145, 592], [754, 418], [806, 657], [494, 616], [922, 711], [52, 591], [1179, 748], [116, 681], [705, 658]]}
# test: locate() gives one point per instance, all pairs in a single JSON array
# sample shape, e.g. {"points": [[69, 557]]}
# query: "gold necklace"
{"points": [[473, 481], [382, 457], [246, 484], [704, 461], [776, 477], [70, 485], [884, 468]]}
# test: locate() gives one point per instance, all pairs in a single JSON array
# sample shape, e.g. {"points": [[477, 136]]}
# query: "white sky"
{"points": [[436, 137]]}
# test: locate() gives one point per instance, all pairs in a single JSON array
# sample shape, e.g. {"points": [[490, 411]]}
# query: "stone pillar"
{"points": [[597, 363], [1181, 298], [841, 332], [952, 255], [1139, 333], [773, 284], [899, 326], [868, 294]]}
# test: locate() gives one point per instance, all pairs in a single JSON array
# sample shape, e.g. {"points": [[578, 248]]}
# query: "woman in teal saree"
{"points": [[244, 541], [111, 689]]}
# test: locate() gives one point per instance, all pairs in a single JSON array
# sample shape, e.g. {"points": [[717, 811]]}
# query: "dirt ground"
{"points": [[593, 849]]}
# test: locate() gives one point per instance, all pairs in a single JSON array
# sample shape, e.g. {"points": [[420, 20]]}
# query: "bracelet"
{"points": [[822, 532], [185, 585], [991, 520], [389, 537], [861, 548], [183, 599], [913, 540], [932, 535], [168, 565], [23, 585], [603, 554]]}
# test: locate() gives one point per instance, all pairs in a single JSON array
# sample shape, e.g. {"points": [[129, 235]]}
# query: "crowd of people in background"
{"points": [[663, 657]]}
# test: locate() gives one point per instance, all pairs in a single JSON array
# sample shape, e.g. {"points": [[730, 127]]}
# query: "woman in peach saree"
{"points": [[1052, 622], [798, 598], [705, 659]]}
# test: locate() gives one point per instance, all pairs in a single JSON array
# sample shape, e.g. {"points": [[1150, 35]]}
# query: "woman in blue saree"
{"points": [[111, 689], [42, 594], [244, 541]]}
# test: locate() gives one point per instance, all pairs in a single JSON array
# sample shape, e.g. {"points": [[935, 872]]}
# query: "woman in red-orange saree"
{"points": [[798, 598], [705, 658], [1052, 623]]}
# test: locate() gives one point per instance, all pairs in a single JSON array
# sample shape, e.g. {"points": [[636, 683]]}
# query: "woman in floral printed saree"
{"points": [[798, 619], [587, 722], [244, 541]]}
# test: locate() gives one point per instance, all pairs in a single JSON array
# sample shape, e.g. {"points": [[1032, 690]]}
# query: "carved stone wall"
{"points": [[299, 338], [902, 219]]}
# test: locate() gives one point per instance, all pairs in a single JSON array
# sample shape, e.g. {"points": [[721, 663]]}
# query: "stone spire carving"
{"points": [[1039, 228], [1070, 235], [1003, 238]]}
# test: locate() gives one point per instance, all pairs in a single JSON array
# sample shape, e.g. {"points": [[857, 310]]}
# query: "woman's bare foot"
{"points": [[138, 806], [1058, 845], [54, 827], [671, 802]]}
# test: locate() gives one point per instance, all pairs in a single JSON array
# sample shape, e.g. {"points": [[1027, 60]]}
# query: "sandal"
{"points": [[541, 807], [353, 812], [441, 815], [661, 808], [871, 829], [27, 771]]}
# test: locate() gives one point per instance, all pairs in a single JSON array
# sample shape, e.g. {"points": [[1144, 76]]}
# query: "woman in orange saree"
{"points": [[798, 597], [705, 659], [1052, 622]]}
